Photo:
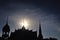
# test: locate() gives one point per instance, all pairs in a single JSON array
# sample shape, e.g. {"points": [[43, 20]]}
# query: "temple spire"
{"points": [[40, 31], [6, 30], [40, 37]]}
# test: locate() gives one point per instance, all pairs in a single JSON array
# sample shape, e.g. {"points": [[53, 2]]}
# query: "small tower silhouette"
{"points": [[6, 30], [40, 37], [23, 28]]}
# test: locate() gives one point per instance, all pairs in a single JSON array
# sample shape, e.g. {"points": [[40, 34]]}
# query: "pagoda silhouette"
{"points": [[22, 34]]}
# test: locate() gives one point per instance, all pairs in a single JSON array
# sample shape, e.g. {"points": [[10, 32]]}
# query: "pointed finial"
{"points": [[7, 20], [39, 22]]}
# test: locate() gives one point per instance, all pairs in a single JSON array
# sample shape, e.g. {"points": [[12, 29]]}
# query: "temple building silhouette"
{"points": [[22, 34]]}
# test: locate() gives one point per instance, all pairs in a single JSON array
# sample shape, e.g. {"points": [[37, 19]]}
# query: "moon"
{"points": [[24, 23]]}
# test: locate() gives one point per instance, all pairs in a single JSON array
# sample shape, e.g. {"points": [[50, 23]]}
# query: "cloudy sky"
{"points": [[45, 11]]}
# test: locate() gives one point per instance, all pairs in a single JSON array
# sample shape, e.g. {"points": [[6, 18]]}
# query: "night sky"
{"points": [[45, 11]]}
